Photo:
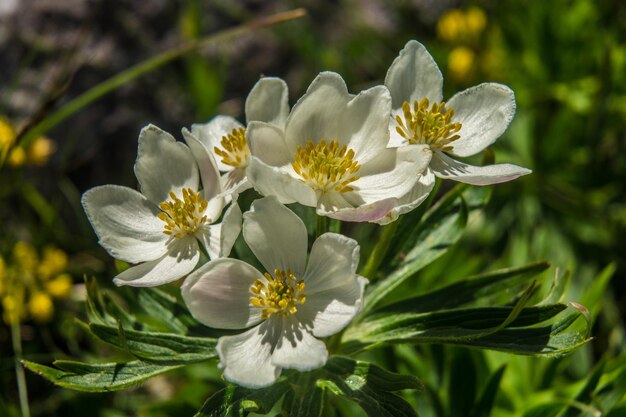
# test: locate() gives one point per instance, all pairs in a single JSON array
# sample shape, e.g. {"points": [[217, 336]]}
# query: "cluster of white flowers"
{"points": [[368, 157]]}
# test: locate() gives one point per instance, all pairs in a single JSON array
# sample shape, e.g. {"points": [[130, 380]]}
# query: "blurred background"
{"points": [[565, 60]]}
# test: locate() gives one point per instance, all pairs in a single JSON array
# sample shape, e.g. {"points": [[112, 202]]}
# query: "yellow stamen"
{"points": [[235, 150], [433, 127], [183, 217], [281, 295], [326, 167]]}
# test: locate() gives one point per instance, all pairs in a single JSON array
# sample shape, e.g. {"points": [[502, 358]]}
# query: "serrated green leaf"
{"points": [[163, 348], [369, 386], [97, 377], [235, 401], [443, 226], [169, 313], [444, 326], [467, 291]]}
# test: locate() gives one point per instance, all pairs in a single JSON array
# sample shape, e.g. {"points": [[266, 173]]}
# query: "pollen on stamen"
{"points": [[326, 167], [234, 149], [428, 124], [281, 294], [183, 217]]}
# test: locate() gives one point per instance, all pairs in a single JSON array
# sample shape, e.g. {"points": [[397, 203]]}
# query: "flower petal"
{"points": [[269, 180], [163, 165], [126, 223], [446, 167], [276, 236], [268, 101], [218, 239], [211, 182], [414, 75], [334, 291], [218, 294], [297, 348], [363, 126], [413, 198], [395, 173], [235, 181], [485, 112], [246, 357], [336, 206], [181, 259], [211, 133], [317, 114], [267, 142]]}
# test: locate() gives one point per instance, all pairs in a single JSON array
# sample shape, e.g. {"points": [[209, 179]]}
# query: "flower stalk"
{"points": [[16, 338]]}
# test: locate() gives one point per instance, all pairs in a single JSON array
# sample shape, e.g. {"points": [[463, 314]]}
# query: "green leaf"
{"points": [[444, 326], [162, 348], [462, 382], [97, 377], [467, 291], [442, 227], [485, 402], [369, 386], [234, 401], [166, 311], [306, 399]]}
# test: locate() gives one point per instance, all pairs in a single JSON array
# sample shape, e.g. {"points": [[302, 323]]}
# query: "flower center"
{"points": [[430, 126], [326, 167], [281, 295], [183, 217], [234, 151]]}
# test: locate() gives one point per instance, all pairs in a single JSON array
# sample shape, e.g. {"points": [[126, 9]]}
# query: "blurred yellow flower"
{"points": [[40, 307], [460, 63], [28, 283], [458, 26], [40, 151], [60, 287], [37, 153]]}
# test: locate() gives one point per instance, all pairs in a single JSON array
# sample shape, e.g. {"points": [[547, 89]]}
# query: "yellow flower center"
{"points": [[183, 217], [430, 126], [326, 167], [234, 150], [281, 295]]}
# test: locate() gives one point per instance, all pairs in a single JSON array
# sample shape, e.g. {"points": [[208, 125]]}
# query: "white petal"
{"points": [[126, 223], [363, 126], [211, 183], [414, 75], [218, 239], [316, 115], [181, 259], [395, 139], [211, 133], [332, 263], [276, 236], [218, 294], [413, 198], [246, 357], [267, 142], [446, 167], [335, 206], [163, 165], [235, 181], [485, 112], [334, 291], [268, 180], [297, 348], [396, 172], [268, 101]]}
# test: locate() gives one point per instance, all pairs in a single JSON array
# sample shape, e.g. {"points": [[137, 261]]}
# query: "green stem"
{"points": [[322, 225], [146, 66], [16, 337], [380, 250]]}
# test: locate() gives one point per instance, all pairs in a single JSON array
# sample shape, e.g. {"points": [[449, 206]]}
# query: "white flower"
{"points": [[290, 306], [333, 155], [161, 227], [224, 138], [471, 121]]}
